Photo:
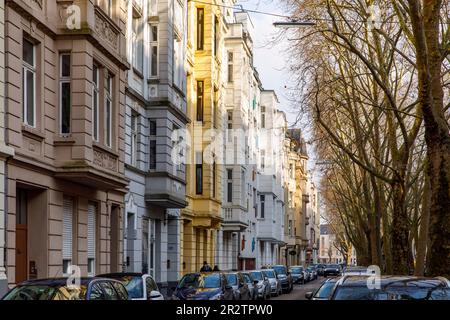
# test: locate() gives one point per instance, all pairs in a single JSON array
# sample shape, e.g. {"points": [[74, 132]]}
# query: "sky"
{"points": [[271, 61]]}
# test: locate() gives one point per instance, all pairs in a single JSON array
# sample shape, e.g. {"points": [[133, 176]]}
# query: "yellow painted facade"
{"points": [[203, 215]]}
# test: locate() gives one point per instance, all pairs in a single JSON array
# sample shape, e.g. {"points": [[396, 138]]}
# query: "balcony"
{"points": [[165, 190], [235, 220]]}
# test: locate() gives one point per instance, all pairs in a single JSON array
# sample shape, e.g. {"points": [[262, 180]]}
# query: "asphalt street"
{"points": [[298, 293]]}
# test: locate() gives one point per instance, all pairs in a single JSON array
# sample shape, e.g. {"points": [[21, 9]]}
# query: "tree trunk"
{"points": [[426, 30], [400, 231], [423, 230]]}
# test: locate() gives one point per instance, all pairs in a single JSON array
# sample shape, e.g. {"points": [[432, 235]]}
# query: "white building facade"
{"points": [[154, 124]]}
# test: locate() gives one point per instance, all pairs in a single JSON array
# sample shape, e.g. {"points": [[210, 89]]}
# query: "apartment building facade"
{"points": [[202, 217], [64, 118], [155, 126]]}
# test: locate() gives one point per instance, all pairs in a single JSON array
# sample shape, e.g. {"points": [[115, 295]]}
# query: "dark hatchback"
{"points": [[332, 270], [61, 289], [391, 288], [285, 277], [203, 286]]}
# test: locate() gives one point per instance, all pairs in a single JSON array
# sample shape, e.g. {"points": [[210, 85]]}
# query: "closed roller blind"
{"points": [[92, 211], [67, 228]]}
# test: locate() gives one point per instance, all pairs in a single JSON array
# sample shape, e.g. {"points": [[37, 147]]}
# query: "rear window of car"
{"points": [[325, 290], [257, 275], [197, 281], [280, 269], [231, 279], [269, 274], [296, 270], [134, 286], [31, 292]]}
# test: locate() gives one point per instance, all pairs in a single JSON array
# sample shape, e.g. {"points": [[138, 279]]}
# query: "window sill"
{"points": [[32, 132], [63, 140]]}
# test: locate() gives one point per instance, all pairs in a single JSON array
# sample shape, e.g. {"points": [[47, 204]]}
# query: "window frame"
{"points": [[154, 57], [95, 102], [200, 29], [64, 80], [109, 113], [200, 105], [26, 67], [199, 173]]}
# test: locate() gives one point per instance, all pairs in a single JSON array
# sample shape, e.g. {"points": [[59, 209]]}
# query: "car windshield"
{"points": [[333, 266], [280, 269], [32, 292], [231, 279], [392, 293], [247, 277], [134, 286], [296, 270], [257, 275], [269, 274], [325, 290], [200, 281]]}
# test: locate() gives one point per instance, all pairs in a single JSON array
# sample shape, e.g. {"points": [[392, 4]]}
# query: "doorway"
{"points": [[21, 235]]}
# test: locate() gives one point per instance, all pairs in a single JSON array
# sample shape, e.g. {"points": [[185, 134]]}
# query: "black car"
{"points": [[320, 269], [332, 270], [204, 286], [62, 289], [285, 277], [391, 288], [298, 274]]}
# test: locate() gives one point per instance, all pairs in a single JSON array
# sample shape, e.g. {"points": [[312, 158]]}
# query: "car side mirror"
{"points": [[155, 295], [309, 295]]}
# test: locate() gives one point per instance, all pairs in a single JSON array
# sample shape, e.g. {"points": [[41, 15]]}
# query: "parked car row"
{"points": [[112, 286], [355, 287]]}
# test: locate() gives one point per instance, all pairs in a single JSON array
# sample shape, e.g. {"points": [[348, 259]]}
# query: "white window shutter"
{"points": [[91, 231], [67, 228]]}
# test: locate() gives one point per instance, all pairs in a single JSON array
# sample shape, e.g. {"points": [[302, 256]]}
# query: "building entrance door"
{"points": [[21, 236]]}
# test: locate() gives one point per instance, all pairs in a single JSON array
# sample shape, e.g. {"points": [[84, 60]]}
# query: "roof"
{"points": [[121, 274], [391, 281]]}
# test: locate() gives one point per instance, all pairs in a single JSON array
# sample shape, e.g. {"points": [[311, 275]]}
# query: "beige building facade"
{"points": [[65, 89]]}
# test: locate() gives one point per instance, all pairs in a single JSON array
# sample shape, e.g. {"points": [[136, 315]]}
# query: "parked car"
{"points": [[89, 288], [263, 285], [240, 287], [298, 274], [392, 288], [308, 275], [332, 270], [320, 269], [324, 291], [139, 286], [252, 284], [285, 277], [203, 286], [313, 273], [275, 283]]}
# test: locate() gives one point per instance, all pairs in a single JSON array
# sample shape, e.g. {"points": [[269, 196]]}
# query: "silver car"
{"points": [[251, 284], [240, 287], [275, 283], [263, 285]]}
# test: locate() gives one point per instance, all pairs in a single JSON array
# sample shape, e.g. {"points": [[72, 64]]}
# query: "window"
{"points": [[110, 292], [64, 93], [95, 101], [150, 285], [67, 234], [263, 117], [109, 7], [154, 51], [200, 28], [263, 159], [133, 143], [153, 8], [29, 83], [263, 199], [108, 110], [290, 228], [136, 45], [230, 66], [199, 173], [216, 36], [230, 185], [214, 177], [152, 162], [97, 292], [200, 91], [230, 126], [291, 170], [91, 234], [243, 187]]}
